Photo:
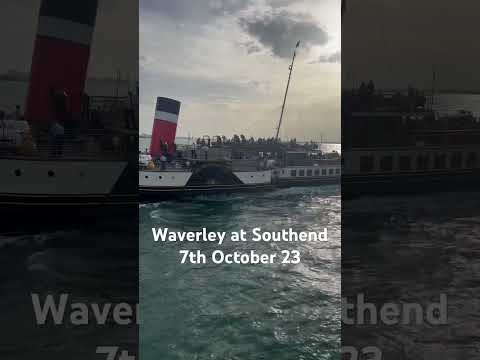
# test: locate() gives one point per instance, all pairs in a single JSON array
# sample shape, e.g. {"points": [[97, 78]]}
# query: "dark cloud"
{"points": [[252, 47], [335, 57], [281, 31]]}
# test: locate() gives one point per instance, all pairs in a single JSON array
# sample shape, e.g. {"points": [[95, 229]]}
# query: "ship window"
{"points": [[440, 161], [405, 163], [160, 177], [51, 173], [472, 160], [337, 171], [456, 160], [293, 172], [283, 171], [366, 163], [146, 176], [317, 172], [309, 172], [301, 173], [330, 171], [324, 171], [386, 163], [18, 172], [422, 162]]}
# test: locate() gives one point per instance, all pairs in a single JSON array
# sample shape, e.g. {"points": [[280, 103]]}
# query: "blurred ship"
{"points": [[395, 142], [70, 151]]}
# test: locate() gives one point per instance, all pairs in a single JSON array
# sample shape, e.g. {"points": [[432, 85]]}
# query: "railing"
{"points": [[90, 144]]}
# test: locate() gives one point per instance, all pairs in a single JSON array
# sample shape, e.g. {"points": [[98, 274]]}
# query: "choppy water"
{"points": [[242, 311], [92, 264], [412, 250], [455, 102]]}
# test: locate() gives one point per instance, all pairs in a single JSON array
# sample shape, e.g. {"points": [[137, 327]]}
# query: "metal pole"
{"points": [[286, 92]]}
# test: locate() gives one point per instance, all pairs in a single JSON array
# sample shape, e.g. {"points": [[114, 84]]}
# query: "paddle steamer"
{"points": [[395, 142]]}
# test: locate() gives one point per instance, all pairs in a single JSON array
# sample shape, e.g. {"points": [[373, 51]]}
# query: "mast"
{"points": [[286, 90]]}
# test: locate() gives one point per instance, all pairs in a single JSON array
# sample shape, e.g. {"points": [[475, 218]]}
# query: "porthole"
{"points": [[18, 172], [51, 173], [146, 176], [160, 177]]}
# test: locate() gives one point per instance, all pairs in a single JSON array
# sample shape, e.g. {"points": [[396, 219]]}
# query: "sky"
{"points": [[397, 43], [227, 62]]}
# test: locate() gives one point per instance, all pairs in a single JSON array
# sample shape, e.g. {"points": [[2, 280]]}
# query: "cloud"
{"points": [[279, 31], [192, 12], [203, 54], [252, 47], [335, 57]]}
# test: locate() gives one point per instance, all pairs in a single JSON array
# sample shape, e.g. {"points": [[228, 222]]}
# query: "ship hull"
{"points": [[308, 182], [205, 180], [65, 191]]}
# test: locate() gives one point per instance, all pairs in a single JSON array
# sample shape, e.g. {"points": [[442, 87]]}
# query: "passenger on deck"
{"points": [[17, 115], [371, 88], [85, 107], [96, 118], [56, 137], [193, 151], [163, 162]]}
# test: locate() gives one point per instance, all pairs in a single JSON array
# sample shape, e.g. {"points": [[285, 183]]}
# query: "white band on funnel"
{"points": [[65, 30], [162, 115]]}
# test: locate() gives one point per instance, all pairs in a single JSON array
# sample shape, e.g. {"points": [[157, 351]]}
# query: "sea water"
{"points": [[237, 310]]}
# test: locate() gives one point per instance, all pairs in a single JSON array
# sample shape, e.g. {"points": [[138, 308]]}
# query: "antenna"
{"points": [[286, 90]]}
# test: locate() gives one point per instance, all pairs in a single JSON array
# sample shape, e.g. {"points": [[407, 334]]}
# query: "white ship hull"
{"points": [[168, 184], [308, 175], [37, 182]]}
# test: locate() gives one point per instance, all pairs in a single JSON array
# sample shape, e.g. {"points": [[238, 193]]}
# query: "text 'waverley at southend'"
{"points": [[256, 234]]}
